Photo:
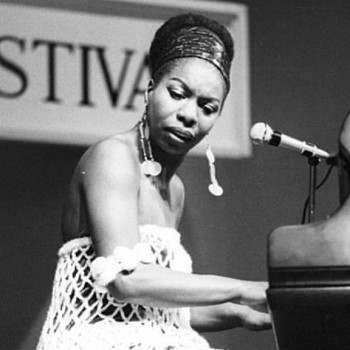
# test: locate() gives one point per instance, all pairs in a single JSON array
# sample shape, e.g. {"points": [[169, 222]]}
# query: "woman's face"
{"points": [[185, 104]]}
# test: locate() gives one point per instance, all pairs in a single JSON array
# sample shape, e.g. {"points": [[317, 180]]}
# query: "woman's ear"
{"points": [[150, 87]]}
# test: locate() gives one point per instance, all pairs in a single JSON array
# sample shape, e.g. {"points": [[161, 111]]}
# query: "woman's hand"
{"points": [[227, 316], [254, 310], [254, 320], [254, 294]]}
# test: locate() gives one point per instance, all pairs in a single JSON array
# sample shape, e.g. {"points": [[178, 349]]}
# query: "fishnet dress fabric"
{"points": [[81, 318]]}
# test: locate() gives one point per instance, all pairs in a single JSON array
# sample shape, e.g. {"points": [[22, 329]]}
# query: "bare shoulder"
{"points": [[178, 190], [178, 187], [109, 160]]}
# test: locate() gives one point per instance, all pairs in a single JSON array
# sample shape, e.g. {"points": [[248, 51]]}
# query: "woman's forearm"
{"points": [[161, 287]]}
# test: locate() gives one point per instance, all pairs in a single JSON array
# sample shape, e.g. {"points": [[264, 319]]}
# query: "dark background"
{"points": [[300, 84]]}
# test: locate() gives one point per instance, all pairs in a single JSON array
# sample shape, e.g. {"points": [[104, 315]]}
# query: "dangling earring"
{"points": [[149, 166], [214, 188]]}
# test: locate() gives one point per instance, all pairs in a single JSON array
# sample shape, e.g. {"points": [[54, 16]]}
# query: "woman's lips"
{"points": [[183, 135]]}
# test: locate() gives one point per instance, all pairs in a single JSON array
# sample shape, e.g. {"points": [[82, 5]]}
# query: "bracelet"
{"points": [[105, 269]]}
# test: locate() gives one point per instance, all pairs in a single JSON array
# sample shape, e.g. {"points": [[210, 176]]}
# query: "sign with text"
{"points": [[75, 72]]}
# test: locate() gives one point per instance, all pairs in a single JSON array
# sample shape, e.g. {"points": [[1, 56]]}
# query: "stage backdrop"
{"points": [[74, 72]]}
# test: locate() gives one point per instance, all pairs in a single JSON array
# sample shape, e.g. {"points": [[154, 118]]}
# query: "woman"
{"points": [[127, 284]]}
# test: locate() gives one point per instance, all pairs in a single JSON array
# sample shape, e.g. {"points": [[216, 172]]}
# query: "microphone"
{"points": [[261, 133]]}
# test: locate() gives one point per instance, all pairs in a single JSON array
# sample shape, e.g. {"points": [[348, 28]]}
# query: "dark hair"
{"points": [[177, 23], [164, 69]]}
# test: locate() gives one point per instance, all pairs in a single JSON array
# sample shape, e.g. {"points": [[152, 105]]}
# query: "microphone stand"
{"points": [[313, 162]]}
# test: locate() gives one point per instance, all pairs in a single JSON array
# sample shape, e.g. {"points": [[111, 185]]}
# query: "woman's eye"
{"points": [[209, 109], [176, 94]]}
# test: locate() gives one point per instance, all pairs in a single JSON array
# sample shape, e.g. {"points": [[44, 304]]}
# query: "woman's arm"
{"points": [[110, 179], [110, 182], [153, 285], [227, 316]]}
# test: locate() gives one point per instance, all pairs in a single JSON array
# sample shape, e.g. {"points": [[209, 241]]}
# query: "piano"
{"points": [[309, 273]]}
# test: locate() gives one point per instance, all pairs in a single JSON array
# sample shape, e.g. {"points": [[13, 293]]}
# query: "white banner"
{"points": [[74, 72]]}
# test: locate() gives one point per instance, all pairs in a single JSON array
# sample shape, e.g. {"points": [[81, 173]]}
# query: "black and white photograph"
{"points": [[174, 174]]}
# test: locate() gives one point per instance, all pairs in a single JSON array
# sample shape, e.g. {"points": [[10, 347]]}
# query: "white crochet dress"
{"points": [[82, 318]]}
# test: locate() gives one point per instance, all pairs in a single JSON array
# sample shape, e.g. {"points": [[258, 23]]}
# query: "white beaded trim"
{"points": [[105, 269], [74, 243]]}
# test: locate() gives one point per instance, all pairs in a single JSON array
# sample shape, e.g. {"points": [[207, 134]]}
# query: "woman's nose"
{"points": [[188, 113]]}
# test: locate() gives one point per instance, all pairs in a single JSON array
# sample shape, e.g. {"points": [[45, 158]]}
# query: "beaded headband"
{"points": [[197, 42]]}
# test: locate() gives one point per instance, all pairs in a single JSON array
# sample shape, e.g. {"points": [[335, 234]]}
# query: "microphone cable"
{"points": [[307, 201]]}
